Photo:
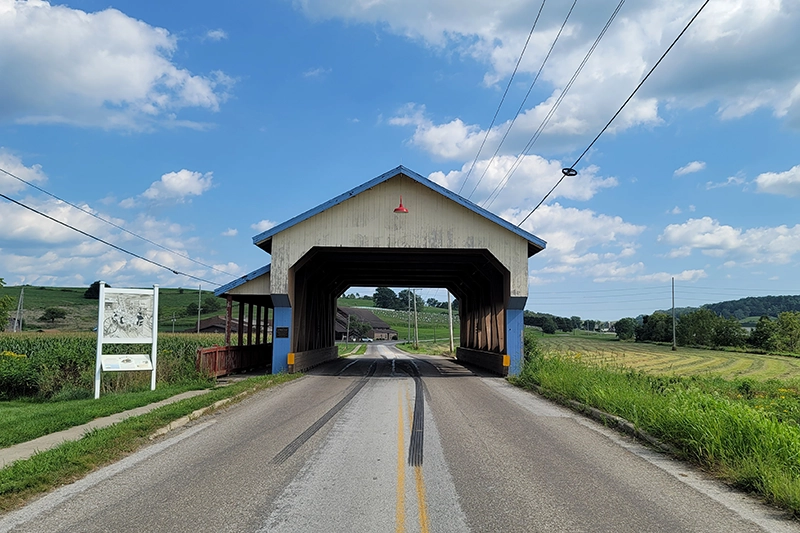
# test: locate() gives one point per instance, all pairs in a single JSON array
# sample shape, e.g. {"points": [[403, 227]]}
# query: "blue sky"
{"points": [[198, 125]]}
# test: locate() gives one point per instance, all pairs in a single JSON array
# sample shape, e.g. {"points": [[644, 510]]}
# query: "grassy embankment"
{"points": [[47, 381], [724, 411], [70, 461]]}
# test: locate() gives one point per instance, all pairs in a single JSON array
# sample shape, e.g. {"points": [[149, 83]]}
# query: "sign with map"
{"points": [[127, 316]]}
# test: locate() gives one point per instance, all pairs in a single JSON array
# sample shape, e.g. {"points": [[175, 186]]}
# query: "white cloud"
{"points": [[690, 168], [751, 246], [36, 250], [106, 69], [784, 183], [580, 242], [216, 35], [713, 63], [733, 180], [174, 186], [662, 277], [263, 225], [13, 165], [675, 210], [316, 72], [533, 178], [230, 232]]}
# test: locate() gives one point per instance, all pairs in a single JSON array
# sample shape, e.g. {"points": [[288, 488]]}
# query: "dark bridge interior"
{"points": [[475, 277]]}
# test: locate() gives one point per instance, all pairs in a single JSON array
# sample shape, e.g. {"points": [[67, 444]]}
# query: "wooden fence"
{"points": [[223, 360]]}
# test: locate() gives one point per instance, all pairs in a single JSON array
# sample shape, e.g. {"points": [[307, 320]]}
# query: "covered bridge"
{"points": [[397, 230]]}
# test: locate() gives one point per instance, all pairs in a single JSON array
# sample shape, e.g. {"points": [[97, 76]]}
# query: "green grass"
{"points": [[351, 349], [745, 431], [21, 421], [431, 324], [356, 302], [429, 348], [27, 478], [661, 360]]}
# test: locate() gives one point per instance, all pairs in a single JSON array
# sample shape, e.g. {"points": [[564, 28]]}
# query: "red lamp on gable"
{"points": [[401, 208]]}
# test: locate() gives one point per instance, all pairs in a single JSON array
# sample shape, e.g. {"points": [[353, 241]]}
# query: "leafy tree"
{"points": [[403, 299], [433, 302], [210, 304], [549, 325], [93, 292], [191, 309], [358, 328], [766, 335], [626, 329], [729, 333], [655, 328], [789, 328], [386, 298], [6, 304], [51, 314], [576, 322], [697, 328]]}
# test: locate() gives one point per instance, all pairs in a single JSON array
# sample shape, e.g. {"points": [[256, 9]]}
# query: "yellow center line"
{"points": [[424, 526], [400, 509]]}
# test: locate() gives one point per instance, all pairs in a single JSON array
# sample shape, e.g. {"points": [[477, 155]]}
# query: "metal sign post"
{"points": [[126, 316]]}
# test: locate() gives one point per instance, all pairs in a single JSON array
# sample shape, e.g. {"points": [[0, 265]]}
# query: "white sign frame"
{"points": [[126, 316]]}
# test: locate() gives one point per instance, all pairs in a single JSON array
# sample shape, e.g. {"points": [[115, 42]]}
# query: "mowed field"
{"points": [[661, 360]]}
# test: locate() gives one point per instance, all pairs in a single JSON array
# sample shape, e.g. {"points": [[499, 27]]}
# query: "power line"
{"points": [[501, 185], [524, 100], [511, 79], [565, 172], [113, 224], [123, 250]]}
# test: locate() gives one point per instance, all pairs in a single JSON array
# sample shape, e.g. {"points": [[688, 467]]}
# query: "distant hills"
{"points": [[753, 306]]}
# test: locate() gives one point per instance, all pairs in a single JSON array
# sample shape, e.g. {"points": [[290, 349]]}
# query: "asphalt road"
{"points": [[386, 442]]}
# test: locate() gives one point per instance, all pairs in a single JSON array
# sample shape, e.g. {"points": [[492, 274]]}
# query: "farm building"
{"points": [[379, 330]]}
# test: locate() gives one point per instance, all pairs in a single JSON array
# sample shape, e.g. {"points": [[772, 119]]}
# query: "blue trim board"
{"points": [[241, 281], [515, 326], [281, 317], [401, 170]]}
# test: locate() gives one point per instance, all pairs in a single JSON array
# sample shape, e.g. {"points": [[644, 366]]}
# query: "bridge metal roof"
{"points": [[535, 244]]}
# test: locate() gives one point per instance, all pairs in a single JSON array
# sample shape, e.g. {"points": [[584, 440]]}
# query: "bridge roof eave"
{"points": [[535, 244], [240, 282]]}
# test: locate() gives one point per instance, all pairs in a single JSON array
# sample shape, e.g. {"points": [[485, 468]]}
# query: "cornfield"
{"points": [[47, 365]]}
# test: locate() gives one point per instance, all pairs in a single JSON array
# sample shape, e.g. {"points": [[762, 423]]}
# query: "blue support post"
{"points": [[281, 345], [515, 326]]}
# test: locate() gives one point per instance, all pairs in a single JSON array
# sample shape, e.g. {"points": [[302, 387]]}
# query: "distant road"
{"points": [[386, 442]]}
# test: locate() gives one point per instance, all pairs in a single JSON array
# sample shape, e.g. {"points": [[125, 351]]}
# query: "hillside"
{"points": [[756, 306], [82, 312]]}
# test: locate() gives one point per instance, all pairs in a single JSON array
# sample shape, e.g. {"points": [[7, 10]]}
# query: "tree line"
{"points": [[551, 323], [386, 298], [706, 328]]}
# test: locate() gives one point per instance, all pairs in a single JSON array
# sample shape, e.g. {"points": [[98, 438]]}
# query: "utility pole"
{"points": [[416, 326], [173, 322], [199, 294], [409, 315], [674, 344], [450, 312], [18, 318], [347, 338]]}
